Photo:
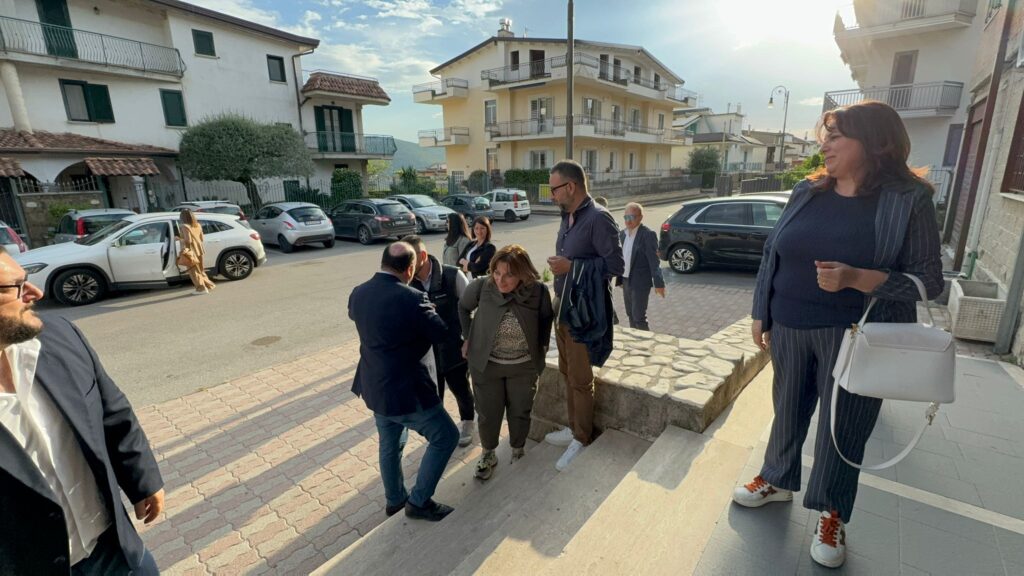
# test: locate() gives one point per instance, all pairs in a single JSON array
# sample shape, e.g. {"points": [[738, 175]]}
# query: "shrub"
{"points": [[346, 184]]}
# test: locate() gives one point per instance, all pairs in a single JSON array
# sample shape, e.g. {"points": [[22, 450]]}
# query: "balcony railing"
{"points": [[445, 134], [606, 175], [933, 96], [441, 86], [869, 15], [27, 37], [536, 69], [745, 167], [351, 143], [534, 127]]}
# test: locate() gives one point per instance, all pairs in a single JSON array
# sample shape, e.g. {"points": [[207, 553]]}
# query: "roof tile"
{"points": [[348, 85]]}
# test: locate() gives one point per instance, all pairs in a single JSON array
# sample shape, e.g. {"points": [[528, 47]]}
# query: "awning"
{"points": [[9, 168], [122, 166]]}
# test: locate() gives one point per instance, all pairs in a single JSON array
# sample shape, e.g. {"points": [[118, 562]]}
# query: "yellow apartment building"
{"points": [[504, 107]]}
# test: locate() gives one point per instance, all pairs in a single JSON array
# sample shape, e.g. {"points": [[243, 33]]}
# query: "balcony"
{"points": [[350, 145], [433, 92], [745, 167], [61, 44], [875, 20], [928, 100], [453, 136]]}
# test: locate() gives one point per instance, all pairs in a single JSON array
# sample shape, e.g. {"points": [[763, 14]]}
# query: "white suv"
{"points": [[139, 252], [510, 203]]}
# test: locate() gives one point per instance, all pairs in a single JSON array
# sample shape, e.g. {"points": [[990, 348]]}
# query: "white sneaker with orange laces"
{"points": [[828, 547], [759, 492]]}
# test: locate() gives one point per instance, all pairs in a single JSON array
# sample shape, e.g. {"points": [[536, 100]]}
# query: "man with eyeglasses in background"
{"points": [[642, 266], [69, 444]]}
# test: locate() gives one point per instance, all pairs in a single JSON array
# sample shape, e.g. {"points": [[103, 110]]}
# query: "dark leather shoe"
{"points": [[433, 511], [392, 510]]}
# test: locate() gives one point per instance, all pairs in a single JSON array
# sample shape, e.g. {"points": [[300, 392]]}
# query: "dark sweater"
{"points": [[830, 228]]}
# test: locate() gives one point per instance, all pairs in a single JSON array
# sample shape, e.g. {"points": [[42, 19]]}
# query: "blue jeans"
{"points": [[442, 436], [107, 558]]}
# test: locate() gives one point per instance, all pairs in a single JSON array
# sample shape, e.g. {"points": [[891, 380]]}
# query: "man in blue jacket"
{"points": [[642, 269], [587, 231], [397, 325]]}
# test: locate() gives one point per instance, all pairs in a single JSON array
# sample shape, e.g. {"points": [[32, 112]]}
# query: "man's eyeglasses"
{"points": [[562, 185], [629, 217], [20, 285]]}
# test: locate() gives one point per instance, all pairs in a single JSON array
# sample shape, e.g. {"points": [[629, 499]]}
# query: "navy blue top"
{"points": [[829, 228]]}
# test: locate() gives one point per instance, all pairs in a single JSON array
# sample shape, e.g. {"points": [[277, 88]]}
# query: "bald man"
{"points": [[397, 325]]}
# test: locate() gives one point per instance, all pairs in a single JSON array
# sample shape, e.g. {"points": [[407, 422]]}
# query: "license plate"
{"points": [[313, 222]]}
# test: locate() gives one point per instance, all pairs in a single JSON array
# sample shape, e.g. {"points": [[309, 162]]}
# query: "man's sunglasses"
{"points": [[562, 185]]}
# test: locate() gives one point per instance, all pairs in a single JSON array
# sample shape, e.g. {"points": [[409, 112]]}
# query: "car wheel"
{"points": [[329, 243], [284, 245], [510, 216], [527, 217], [365, 237], [421, 226], [684, 259], [79, 287], [236, 265]]}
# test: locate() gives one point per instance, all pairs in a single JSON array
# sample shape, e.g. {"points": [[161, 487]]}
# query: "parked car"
{"points": [[510, 203], [291, 224], [371, 219], [430, 216], [78, 223], [214, 206], [719, 231], [10, 241], [138, 252], [469, 206]]}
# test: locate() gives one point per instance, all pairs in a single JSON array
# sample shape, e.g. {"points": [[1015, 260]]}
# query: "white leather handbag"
{"points": [[896, 361]]}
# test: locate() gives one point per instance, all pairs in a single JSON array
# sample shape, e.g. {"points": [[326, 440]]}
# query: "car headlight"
{"points": [[34, 268]]}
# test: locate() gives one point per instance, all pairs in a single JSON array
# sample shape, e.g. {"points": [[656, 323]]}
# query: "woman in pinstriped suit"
{"points": [[847, 234]]}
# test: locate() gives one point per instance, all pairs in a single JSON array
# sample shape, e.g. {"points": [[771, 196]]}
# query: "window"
{"points": [[590, 161], [766, 215], [636, 73], [66, 226], [611, 162], [603, 71], [275, 64], [203, 42], [731, 214], [152, 233], [174, 107], [616, 69], [661, 121], [490, 112], [631, 163], [657, 81], [514, 60], [86, 102], [634, 118], [538, 159], [211, 227], [956, 132], [492, 160]]}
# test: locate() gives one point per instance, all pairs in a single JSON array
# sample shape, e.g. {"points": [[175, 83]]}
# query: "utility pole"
{"points": [[785, 114], [570, 67]]}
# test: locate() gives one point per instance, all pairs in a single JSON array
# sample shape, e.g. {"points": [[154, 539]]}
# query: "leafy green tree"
{"points": [[707, 162], [346, 184], [377, 168], [809, 166], [478, 181], [239, 149]]}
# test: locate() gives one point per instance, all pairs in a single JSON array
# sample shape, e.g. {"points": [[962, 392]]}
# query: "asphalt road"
{"points": [[159, 345]]}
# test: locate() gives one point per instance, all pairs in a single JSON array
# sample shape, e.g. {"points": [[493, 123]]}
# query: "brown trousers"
{"points": [[574, 364], [199, 278]]}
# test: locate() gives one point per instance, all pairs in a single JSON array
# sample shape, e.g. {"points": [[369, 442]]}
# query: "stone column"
{"points": [[15, 97]]}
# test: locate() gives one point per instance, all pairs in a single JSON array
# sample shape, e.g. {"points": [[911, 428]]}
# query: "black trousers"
{"points": [[636, 299], [458, 380]]}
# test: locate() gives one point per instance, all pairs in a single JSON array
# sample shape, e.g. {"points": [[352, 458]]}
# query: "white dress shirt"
{"points": [[32, 417], [627, 250]]}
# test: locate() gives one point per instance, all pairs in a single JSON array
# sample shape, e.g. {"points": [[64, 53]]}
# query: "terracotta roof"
{"points": [[122, 166], [9, 167], [348, 85], [12, 140]]}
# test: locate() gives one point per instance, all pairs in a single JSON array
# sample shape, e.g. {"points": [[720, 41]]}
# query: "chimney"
{"points": [[505, 28]]}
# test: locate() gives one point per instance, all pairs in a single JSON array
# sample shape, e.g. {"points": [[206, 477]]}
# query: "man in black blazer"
{"points": [[643, 267], [397, 325], [69, 443]]}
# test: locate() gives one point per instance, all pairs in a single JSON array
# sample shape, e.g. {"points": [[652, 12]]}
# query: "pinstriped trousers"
{"points": [[803, 361]]}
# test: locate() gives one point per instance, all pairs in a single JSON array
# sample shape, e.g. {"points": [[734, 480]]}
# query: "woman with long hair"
{"points": [[192, 252], [476, 259], [506, 321], [457, 239], [849, 233]]}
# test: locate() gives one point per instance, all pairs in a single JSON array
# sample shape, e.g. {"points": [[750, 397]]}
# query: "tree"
{"points": [[707, 163], [239, 149], [377, 168], [478, 181], [346, 184], [809, 166], [409, 182]]}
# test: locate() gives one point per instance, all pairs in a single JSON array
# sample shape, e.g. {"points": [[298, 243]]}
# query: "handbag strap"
{"points": [[921, 292], [929, 415]]}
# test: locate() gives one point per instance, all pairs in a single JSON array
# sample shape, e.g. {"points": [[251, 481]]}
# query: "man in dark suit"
{"points": [[643, 267], [69, 443], [397, 325]]}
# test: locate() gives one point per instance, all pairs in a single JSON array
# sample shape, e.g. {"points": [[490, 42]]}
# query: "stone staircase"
{"points": [[625, 506]]}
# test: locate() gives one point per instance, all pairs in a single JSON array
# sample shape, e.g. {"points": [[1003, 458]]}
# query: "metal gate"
{"points": [[10, 212]]}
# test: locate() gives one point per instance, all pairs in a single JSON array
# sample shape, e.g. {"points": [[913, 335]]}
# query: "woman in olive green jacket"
{"points": [[506, 322]]}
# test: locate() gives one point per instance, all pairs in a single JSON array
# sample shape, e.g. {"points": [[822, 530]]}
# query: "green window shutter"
{"points": [[275, 65], [203, 42], [97, 98], [174, 108]]}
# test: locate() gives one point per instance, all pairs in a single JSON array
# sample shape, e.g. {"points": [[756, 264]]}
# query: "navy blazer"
{"points": [[906, 240], [644, 264], [33, 535], [397, 325]]}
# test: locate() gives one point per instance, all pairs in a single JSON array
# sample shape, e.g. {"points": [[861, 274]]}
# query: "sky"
{"points": [[731, 52]]}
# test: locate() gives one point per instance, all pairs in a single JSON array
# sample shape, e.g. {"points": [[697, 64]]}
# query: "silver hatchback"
{"points": [[291, 224]]}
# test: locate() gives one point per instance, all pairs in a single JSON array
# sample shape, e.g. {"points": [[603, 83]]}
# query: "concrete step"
{"points": [[536, 531], [403, 546]]}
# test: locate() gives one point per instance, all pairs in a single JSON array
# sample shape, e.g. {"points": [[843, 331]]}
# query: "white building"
{"points": [[117, 82], [723, 132]]}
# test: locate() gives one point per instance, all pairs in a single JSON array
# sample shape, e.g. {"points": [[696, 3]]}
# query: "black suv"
{"points": [[720, 231]]}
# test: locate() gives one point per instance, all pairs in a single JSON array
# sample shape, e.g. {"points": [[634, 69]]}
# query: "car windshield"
{"points": [[104, 233], [483, 203], [420, 201], [394, 209], [307, 213], [94, 224]]}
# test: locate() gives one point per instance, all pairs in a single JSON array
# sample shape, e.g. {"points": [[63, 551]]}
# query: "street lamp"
{"points": [[780, 89]]}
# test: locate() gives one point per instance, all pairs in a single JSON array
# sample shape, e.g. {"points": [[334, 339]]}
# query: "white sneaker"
{"points": [[758, 493], [466, 433], [561, 437], [574, 449], [829, 545]]}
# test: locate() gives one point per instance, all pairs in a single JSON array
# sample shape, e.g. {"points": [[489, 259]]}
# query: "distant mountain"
{"points": [[411, 154]]}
